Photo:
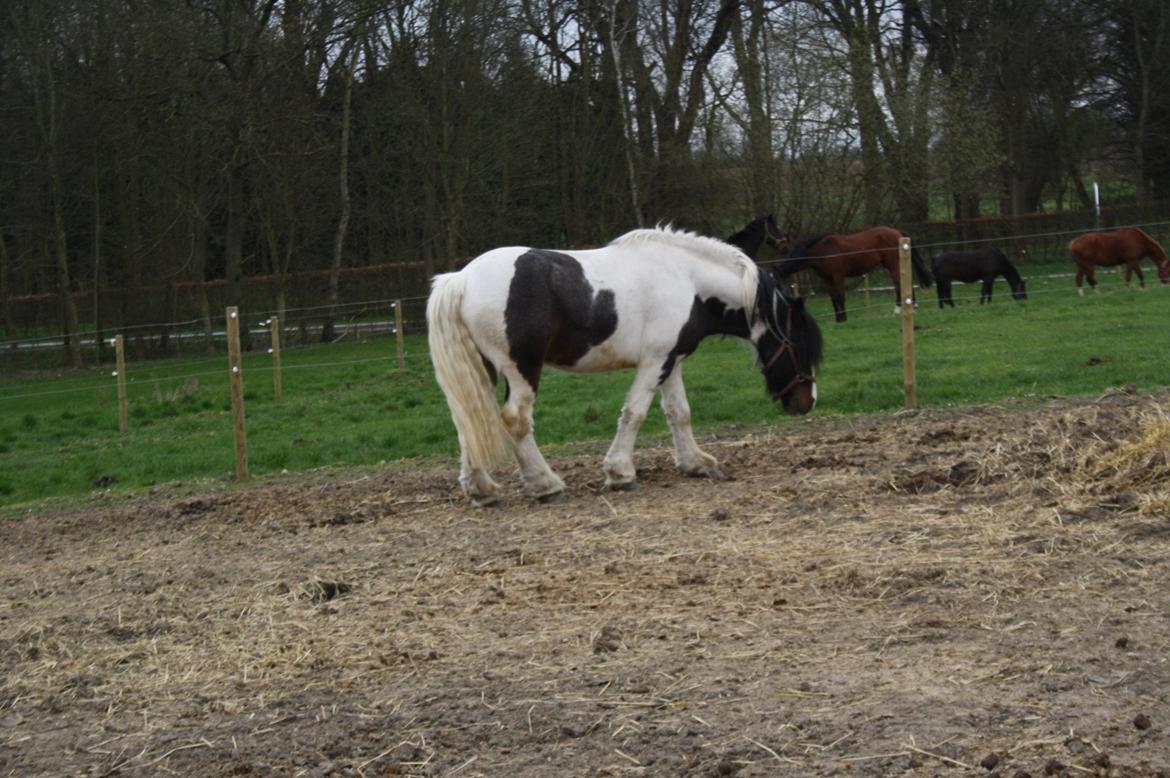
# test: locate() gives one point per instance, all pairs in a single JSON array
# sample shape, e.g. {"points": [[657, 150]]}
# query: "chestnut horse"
{"points": [[836, 257], [1109, 249]]}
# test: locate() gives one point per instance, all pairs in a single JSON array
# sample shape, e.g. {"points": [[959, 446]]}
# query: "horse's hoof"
{"points": [[712, 472], [551, 497], [487, 501], [623, 486]]}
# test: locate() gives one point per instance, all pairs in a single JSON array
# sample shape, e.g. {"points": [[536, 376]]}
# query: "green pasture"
{"points": [[350, 404]]}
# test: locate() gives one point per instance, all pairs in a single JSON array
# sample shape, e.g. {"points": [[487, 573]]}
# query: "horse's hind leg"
{"points": [[1085, 271], [539, 479], [477, 483], [837, 295], [619, 461], [687, 455], [1133, 266], [985, 293]]}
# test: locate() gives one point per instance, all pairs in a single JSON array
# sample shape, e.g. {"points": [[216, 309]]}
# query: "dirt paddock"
{"points": [[969, 592]]}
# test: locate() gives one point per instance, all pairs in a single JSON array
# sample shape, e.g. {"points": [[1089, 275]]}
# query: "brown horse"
{"points": [[1109, 249], [836, 257]]}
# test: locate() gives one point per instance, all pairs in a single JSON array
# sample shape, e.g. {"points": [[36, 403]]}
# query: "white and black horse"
{"points": [[645, 302]]}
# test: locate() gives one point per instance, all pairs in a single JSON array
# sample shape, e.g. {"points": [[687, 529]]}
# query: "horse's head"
{"points": [[1164, 271], [773, 236], [1019, 292], [789, 347]]}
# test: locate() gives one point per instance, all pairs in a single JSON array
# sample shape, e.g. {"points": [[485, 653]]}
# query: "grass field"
{"points": [[349, 404]]}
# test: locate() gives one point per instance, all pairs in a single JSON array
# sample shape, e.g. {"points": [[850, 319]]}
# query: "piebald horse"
{"points": [[1127, 244], [644, 301]]}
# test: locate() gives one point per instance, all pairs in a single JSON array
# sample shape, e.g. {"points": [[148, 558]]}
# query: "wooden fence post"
{"points": [[910, 385], [399, 336], [237, 387], [120, 372], [274, 328]]}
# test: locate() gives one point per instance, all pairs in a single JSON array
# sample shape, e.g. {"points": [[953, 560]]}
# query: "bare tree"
{"points": [[349, 59], [36, 32]]}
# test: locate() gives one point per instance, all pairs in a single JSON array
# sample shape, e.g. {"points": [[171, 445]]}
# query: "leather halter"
{"points": [[787, 346]]}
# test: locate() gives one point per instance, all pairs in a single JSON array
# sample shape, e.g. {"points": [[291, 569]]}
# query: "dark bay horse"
{"points": [[761, 230], [836, 257], [645, 302], [983, 264], [1109, 249]]}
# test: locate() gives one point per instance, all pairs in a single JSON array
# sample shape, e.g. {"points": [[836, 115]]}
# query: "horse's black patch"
{"points": [[708, 317], [552, 314]]}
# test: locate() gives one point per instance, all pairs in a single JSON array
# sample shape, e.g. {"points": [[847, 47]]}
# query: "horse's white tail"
{"points": [[462, 375]]}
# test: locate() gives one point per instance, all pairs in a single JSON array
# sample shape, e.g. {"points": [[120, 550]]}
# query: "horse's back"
{"points": [[963, 266], [531, 306], [873, 238], [1110, 248]]}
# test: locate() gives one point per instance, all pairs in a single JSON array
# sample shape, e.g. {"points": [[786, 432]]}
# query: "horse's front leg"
{"points": [[539, 479], [985, 294], [619, 461], [687, 455]]}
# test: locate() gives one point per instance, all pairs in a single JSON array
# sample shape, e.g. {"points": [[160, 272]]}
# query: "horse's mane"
{"points": [[773, 306], [710, 249], [796, 258], [1005, 266], [801, 248]]}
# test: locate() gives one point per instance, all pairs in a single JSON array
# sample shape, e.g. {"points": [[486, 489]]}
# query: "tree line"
{"points": [[151, 142]]}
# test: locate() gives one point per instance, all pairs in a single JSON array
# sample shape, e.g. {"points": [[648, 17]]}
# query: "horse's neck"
{"points": [[747, 240], [727, 283], [1006, 268], [1153, 249]]}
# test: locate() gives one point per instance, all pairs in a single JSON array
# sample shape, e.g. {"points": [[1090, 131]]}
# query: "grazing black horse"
{"points": [[762, 229], [978, 265]]}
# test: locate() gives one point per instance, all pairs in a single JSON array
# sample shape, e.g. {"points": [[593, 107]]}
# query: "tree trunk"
{"points": [[233, 260], [61, 251], [869, 118], [98, 334], [615, 43], [5, 292], [343, 218], [1144, 91], [753, 77]]}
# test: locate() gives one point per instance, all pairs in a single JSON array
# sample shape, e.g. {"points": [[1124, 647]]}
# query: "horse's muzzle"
{"points": [[800, 399]]}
